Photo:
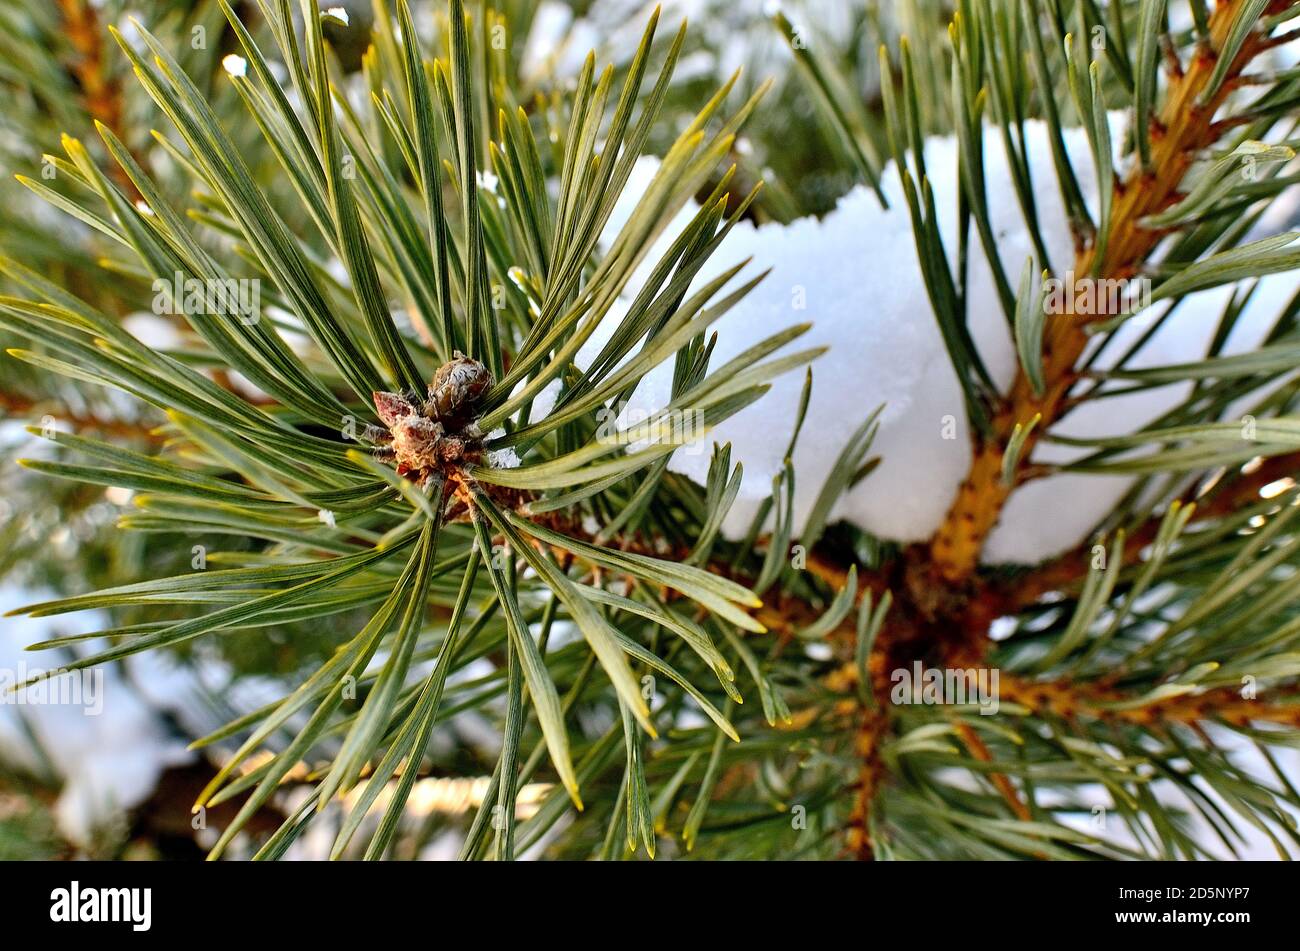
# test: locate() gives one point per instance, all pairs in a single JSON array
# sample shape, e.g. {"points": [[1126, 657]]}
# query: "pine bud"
{"points": [[457, 388]]}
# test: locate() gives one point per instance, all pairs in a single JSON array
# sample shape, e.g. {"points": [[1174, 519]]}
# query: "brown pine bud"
{"points": [[457, 387]]}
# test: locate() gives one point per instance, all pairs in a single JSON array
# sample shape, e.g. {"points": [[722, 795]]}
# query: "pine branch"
{"points": [[946, 607], [1185, 126]]}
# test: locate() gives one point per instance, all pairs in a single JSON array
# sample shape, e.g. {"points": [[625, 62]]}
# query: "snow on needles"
{"points": [[854, 274]]}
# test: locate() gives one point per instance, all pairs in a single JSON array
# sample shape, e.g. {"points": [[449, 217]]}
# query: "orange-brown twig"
{"points": [[867, 743], [1004, 786]]}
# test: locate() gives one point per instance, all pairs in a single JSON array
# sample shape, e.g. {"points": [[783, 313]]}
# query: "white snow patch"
{"points": [[854, 275], [505, 458]]}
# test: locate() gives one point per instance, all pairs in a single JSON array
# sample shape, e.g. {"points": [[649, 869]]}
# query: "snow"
{"points": [[106, 743], [557, 44], [854, 275], [505, 458]]}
